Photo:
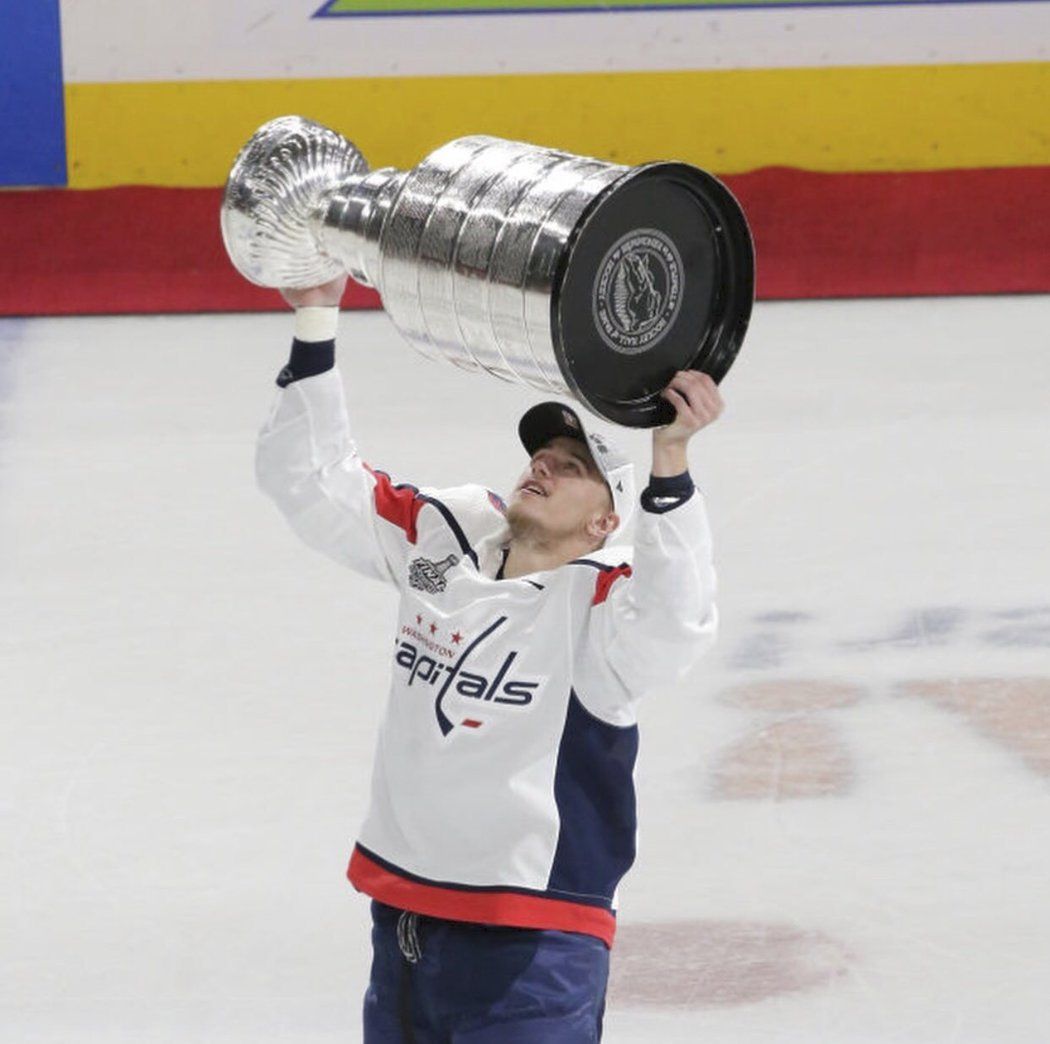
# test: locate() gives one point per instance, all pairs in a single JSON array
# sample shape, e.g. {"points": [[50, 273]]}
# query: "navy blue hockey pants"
{"points": [[447, 982]]}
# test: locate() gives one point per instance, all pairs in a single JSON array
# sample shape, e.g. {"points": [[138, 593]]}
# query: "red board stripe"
{"points": [[478, 907], [898, 234], [606, 578], [123, 250], [817, 235]]}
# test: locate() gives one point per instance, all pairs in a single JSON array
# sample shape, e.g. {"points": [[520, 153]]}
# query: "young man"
{"points": [[502, 811]]}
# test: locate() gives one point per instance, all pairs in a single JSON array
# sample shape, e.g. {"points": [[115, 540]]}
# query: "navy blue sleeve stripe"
{"points": [[457, 531], [308, 359], [602, 567]]}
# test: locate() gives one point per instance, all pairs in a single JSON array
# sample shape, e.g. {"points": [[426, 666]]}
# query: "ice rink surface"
{"points": [[845, 810]]}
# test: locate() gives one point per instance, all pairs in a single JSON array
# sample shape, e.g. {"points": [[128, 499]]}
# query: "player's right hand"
{"points": [[697, 402], [326, 296]]}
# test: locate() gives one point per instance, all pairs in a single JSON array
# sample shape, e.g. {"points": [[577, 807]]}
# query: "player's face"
{"points": [[560, 491]]}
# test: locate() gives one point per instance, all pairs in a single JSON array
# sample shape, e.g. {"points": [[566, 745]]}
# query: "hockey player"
{"points": [[502, 809]]}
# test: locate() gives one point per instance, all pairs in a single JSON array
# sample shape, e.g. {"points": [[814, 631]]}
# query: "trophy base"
{"points": [[658, 277]]}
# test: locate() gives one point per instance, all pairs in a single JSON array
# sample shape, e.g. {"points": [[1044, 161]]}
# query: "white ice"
{"points": [[190, 697]]}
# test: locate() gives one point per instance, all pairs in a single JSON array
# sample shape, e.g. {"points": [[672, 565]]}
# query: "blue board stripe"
{"points": [[32, 112], [327, 10]]}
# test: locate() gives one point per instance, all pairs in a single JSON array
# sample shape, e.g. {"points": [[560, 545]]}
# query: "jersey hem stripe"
{"points": [[483, 906], [579, 899]]}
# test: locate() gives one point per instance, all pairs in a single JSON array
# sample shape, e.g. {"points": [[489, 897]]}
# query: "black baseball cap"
{"points": [[548, 420]]}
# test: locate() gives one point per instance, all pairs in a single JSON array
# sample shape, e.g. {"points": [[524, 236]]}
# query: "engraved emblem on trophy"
{"points": [[564, 273]]}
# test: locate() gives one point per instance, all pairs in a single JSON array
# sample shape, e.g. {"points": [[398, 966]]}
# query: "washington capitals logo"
{"points": [[422, 658]]}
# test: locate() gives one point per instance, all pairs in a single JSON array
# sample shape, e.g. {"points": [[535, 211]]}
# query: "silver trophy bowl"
{"points": [[563, 273]]}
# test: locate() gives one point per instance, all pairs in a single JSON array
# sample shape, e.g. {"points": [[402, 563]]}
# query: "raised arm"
{"points": [[307, 462], [656, 619]]}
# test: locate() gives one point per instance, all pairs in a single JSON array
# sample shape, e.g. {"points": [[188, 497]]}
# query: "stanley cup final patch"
{"points": [[428, 576], [638, 291]]}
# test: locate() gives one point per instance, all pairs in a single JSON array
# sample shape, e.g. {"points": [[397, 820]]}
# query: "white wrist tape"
{"points": [[316, 322]]}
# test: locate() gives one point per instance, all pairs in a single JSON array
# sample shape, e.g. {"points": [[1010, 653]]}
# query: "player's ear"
{"points": [[600, 526]]}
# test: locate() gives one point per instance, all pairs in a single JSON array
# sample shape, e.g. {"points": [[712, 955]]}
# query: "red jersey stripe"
{"points": [[605, 580], [478, 907], [397, 504]]}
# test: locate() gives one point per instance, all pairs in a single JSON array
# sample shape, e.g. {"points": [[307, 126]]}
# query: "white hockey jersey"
{"points": [[502, 790]]}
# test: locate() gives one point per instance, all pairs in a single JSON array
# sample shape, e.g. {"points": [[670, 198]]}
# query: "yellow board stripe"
{"points": [[831, 119]]}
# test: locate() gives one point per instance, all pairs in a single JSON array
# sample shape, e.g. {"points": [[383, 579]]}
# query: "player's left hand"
{"points": [[697, 403]]}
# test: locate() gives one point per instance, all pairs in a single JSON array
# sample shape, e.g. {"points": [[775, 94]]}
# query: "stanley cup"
{"points": [[567, 274]]}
